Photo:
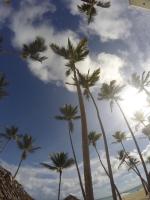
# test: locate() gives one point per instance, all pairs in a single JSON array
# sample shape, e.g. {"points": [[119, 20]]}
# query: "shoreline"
{"points": [[138, 195]]}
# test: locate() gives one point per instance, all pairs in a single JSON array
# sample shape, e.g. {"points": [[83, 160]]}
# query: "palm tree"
{"points": [[26, 145], [33, 50], [139, 117], [89, 8], [131, 161], [60, 161], [9, 135], [111, 92], [69, 114], [88, 81], [74, 55], [3, 84], [146, 131], [141, 82], [93, 138]]}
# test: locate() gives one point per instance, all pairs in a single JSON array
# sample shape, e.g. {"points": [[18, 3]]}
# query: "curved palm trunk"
{"points": [[136, 170], [76, 163], [106, 149], [60, 175], [137, 146], [117, 191], [85, 147], [4, 147], [18, 168]]}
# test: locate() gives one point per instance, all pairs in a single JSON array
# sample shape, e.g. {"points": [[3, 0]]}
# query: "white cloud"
{"points": [[111, 66], [109, 24], [43, 184]]}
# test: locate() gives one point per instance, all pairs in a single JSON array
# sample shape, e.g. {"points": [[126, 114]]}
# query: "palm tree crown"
{"points": [[26, 145], [146, 131], [141, 82], [69, 113], [10, 133], [110, 92], [33, 50], [94, 137], [3, 84], [89, 8], [59, 161], [119, 136], [71, 53], [139, 117], [89, 80]]}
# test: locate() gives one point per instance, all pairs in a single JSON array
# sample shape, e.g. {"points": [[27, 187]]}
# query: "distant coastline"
{"points": [[125, 193]]}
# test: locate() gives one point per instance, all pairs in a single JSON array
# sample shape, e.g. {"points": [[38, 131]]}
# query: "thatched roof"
{"points": [[71, 197], [10, 189]]}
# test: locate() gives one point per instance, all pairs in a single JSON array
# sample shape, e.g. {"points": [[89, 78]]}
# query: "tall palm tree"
{"points": [[60, 161], [89, 8], [26, 145], [111, 92], [131, 161], [141, 82], [139, 117], [69, 114], [87, 81], [74, 55], [93, 138], [33, 50], [3, 84], [9, 135]]}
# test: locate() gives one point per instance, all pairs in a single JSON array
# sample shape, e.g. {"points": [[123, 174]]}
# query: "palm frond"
{"points": [[33, 50], [103, 4], [48, 166]]}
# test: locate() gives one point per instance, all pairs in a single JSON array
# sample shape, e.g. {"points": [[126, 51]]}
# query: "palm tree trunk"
{"points": [[76, 163], [136, 170], [106, 149], [85, 147], [18, 168], [60, 175], [4, 147], [137, 146], [117, 191]]}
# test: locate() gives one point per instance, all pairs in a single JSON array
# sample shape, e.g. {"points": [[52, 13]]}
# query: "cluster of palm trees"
{"points": [[84, 84], [110, 92]]}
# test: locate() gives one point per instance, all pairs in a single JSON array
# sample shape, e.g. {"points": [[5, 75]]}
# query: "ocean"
{"points": [[124, 193]]}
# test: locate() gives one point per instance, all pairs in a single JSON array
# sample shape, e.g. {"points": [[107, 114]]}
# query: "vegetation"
{"points": [[60, 161], [74, 55], [85, 85], [89, 8], [10, 134], [69, 114], [26, 145]]}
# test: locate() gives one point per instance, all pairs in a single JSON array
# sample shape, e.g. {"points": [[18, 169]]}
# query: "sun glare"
{"points": [[134, 101]]}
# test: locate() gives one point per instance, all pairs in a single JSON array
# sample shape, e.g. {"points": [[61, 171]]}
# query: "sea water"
{"points": [[124, 193]]}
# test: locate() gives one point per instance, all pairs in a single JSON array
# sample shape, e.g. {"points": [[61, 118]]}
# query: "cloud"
{"points": [[5, 12], [43, 184], [109, 24], [111, 66]]}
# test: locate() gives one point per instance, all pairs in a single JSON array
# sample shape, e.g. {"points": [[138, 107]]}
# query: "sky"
{"points": [[119, 43]]}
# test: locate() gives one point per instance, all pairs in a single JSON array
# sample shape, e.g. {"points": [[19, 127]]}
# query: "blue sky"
{"points": [[119, 44]]}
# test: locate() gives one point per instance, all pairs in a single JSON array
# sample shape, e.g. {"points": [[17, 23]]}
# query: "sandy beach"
{"points": [[139, 195]]}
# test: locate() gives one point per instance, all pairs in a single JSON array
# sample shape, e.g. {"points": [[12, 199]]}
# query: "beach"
{"points": [[139, 195]]}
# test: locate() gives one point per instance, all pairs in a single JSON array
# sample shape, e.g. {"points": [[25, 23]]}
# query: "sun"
{"points": [[134, 101]]}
